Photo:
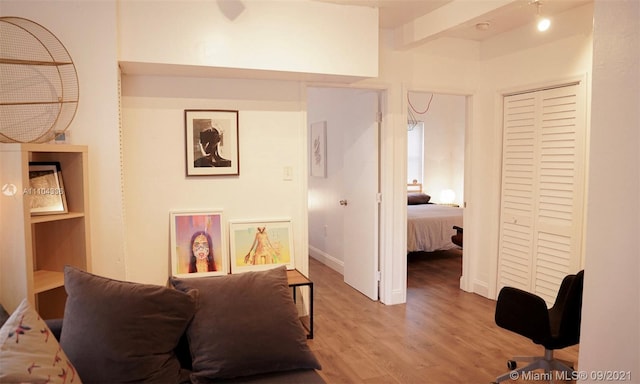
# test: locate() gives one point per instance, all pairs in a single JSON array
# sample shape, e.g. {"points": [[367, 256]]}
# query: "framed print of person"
{"points": [[211, 142], [260, 245], [198, 244]]}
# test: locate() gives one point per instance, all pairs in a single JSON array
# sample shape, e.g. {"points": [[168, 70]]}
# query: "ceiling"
{"points": [[502, 15]]}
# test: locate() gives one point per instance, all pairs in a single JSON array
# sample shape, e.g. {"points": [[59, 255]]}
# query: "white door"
{"points": [[360, 196], [542, 189]]}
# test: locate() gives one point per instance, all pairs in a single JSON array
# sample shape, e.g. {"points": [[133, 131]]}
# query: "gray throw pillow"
{"points": [[116, 331], [245, 324], [3, 315]]}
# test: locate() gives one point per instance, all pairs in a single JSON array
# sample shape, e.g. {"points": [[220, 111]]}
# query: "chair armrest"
{"points": [[523, 313]]}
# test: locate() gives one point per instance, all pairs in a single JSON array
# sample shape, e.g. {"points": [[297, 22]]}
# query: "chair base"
{"points": [[563, 369]]}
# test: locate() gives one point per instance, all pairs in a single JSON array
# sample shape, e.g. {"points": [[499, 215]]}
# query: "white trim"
{"points": [[326, 259]]}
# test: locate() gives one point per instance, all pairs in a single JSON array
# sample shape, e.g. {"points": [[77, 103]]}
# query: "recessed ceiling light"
{"points": [[543, 24], [483, 26]]}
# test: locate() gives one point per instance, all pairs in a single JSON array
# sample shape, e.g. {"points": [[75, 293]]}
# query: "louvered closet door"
{"points": [[542, 189]]}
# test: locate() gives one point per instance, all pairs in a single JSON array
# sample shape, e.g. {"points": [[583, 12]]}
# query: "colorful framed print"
{"points": [[212, 142], [46, 190], [198, 246], [261, 245]]}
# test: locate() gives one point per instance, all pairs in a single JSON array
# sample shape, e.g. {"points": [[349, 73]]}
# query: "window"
{"points": [[415, 152]]}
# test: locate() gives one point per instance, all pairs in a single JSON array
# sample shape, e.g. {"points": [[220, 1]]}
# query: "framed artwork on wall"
{"points": [[46, 190], [260, 245], [198, 245], [212, 145], [318, 152]]}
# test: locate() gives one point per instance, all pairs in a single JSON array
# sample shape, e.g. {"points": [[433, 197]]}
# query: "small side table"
{"points": [[297, 279]]}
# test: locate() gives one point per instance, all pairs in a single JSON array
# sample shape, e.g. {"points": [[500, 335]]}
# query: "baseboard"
{"points": [[397, 297], [326, 259], [481, 288]]}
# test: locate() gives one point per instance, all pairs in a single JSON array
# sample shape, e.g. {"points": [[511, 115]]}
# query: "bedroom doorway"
{"points": [[436, 130], [343, 199]]}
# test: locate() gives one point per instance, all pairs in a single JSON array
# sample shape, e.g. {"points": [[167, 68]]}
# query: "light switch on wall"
{"points": [[287, 173]]}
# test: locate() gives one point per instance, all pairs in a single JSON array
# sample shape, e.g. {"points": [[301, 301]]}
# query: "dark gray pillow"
{"points": [[416, 198], [116, 331], [3, 315], [245, 324]]}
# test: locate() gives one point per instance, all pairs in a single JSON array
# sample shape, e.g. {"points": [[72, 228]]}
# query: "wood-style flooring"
{"points": [[441, 335]]}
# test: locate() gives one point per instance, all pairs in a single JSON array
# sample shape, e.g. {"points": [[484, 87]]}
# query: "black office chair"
{"points": [[557, 327]]}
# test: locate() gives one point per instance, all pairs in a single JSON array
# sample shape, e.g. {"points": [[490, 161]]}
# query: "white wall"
{"points": [[555, 62], [88, 31], [289, 36], [325, 215], [271, 127], [610, 338]]}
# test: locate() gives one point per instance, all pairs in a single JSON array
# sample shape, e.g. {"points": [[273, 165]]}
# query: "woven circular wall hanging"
{"points": [[38, 82]]}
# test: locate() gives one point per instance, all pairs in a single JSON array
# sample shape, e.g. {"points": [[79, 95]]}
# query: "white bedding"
{"points": [[430, 227]]}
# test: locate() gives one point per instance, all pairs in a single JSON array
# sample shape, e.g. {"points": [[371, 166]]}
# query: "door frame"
{"points": [[469, 254], [386, 292]]}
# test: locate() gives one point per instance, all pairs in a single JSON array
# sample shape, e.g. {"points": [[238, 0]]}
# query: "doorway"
{"points": [[344, 199], [436, 130]]}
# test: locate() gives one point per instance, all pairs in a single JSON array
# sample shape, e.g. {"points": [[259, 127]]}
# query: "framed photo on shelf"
{"points": [[260, 245], [318, 152], [212, 146], [46, 190], [198, 245]]}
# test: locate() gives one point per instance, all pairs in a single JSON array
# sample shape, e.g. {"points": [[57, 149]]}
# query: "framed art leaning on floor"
{"points": [[198, 245], [259, 245]]}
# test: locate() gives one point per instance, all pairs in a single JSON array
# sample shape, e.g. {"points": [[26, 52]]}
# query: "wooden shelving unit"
{"points": [[35, 249]]}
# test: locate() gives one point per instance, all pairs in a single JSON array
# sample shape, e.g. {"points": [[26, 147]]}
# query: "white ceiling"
{"points": [[502, 15]]}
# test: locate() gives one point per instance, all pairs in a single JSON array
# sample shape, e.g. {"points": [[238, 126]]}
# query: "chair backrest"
{"points": [[566, 314]]}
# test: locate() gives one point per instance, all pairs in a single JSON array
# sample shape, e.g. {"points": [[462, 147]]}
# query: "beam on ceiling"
{"points": [[453, 14]]}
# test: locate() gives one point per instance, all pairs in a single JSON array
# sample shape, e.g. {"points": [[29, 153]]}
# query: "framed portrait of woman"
{"points": [[260, 245], [198, 245], [212, 147]]}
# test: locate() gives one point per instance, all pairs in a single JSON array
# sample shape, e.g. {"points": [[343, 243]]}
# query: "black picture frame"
{"points": [[212, 142]]}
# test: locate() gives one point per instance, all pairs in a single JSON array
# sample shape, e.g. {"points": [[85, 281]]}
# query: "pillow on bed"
{"points": [[415, 198]]}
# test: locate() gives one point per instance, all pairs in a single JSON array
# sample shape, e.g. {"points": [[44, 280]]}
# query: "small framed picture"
{"points": [[198, 245], [318, 149], [260, 245], [46, 190], [211, 142]]}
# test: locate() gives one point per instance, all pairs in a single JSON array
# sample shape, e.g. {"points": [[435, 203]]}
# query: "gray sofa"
{"points": [[241, 328]]}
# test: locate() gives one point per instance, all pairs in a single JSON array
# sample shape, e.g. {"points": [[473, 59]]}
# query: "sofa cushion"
{"points": [[245, 324], [29, 353], [3, 315], [116, 331]]}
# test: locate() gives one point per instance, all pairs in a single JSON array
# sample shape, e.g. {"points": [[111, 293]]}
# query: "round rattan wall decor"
{"points": [[39, 83]]}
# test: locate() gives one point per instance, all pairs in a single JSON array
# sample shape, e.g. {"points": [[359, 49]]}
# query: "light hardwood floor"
{"points": [[441, 335]]}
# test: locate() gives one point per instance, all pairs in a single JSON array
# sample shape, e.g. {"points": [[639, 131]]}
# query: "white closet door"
{"points": [[542, 189]]}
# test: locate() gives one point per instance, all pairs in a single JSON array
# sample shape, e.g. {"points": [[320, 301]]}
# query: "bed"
{"points": [[430, 226]]}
